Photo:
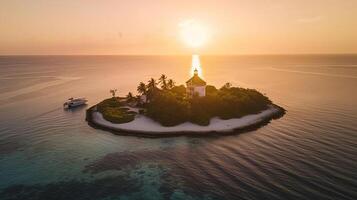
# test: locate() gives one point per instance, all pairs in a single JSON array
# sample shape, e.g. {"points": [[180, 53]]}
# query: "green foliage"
{"points": [[170, 105], [170, 84], [198, 112], [112, 102], [241, 102], [211, 90], [170, 108], [167, 109], [142, 89], [163, 82], [226, 86], [179, 90], [112, 111]]}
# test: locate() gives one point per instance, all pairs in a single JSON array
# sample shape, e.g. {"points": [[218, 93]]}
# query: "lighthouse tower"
{"points": [[196, 86]]}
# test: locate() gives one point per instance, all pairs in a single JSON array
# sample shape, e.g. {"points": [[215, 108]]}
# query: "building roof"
{"points": [[196, 81]]}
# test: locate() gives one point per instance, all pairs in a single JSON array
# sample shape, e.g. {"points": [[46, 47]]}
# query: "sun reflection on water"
{"points": [[196, 64]]}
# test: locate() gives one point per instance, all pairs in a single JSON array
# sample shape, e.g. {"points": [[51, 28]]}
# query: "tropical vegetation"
{"points": [[112, 110], [168, 104]]}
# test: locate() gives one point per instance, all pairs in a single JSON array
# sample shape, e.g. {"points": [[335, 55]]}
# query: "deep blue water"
{"points": [[50, 153]]}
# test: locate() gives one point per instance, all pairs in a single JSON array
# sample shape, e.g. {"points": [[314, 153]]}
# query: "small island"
{"points": [[165, 109]]}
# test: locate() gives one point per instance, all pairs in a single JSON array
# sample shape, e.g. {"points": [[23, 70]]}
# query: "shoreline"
{"points": [[143, 126]]}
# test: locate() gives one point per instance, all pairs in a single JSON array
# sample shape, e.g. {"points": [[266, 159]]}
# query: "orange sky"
{"points": [[152, 27]]}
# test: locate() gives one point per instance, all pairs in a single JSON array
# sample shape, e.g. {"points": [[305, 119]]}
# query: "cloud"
{"points": [[310, 19]]}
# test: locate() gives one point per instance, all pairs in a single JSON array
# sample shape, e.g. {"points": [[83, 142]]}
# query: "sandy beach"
{"points": [[144, 125]]}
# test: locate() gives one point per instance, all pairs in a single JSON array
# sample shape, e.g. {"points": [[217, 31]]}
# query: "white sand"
{"points": [[144, 124]]}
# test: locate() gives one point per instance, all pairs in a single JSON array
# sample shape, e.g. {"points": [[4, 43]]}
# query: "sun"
{"points": [[193, 33]]}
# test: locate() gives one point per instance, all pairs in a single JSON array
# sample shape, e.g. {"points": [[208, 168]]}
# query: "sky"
{"points": [[152, 27]]}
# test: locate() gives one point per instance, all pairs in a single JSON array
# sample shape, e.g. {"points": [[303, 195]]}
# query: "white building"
{"points": [[196, 86]]}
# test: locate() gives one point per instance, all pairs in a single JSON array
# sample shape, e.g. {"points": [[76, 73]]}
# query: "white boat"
{"points": [[73, 102]]}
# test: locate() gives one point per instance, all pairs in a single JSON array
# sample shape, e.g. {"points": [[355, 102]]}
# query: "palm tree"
{"points": [[227, 85], [113, 91], [170, 83], [129, 97], [151, 84], [151, 88], [163, 82], [142, 88]]}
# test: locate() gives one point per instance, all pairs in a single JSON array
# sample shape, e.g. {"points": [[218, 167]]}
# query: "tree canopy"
{"points": [[170, 105]]}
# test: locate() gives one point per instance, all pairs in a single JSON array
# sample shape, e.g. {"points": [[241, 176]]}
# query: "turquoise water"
{"points": [[50, 153]]}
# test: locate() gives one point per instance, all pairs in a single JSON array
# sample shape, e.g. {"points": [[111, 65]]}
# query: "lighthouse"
{"points": [[195, 86]]}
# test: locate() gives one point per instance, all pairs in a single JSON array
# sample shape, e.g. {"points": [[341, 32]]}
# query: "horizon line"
{"points": [[253, 54]]}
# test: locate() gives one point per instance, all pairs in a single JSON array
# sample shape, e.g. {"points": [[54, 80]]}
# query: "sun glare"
{"points": [[196, 64], [193, 33]]}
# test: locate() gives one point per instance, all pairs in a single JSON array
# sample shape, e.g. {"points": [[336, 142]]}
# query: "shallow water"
{"points": [[50, 153]]}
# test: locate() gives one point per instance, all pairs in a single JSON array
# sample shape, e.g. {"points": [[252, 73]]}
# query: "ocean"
{"points": [[50, 153]]}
